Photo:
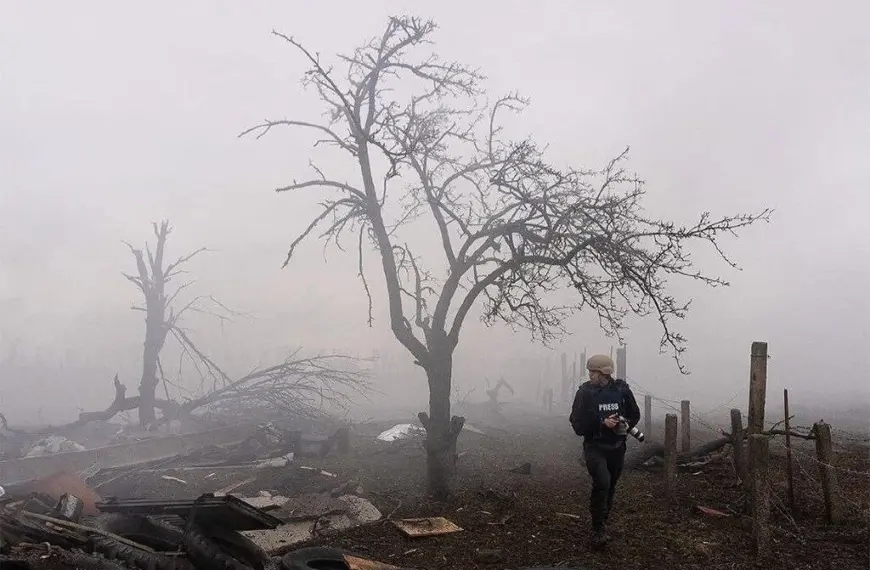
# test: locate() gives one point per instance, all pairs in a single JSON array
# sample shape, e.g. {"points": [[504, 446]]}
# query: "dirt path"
{"points": [[519, 520]]}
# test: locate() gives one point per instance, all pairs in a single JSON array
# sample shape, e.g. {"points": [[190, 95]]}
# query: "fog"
{"points": [[113, 117]]}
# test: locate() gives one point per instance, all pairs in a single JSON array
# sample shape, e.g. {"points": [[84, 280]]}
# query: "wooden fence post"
{"points": [[789, 471], [685, 420], [759, 493], [825, 454], [670, 456], [647, 412], [737, 443], [343, 439], [621, 372], [574, 383], [564, 395], [757, 387]]}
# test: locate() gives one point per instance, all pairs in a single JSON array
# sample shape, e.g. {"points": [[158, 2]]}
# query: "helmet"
{"points": [[600, 363]]}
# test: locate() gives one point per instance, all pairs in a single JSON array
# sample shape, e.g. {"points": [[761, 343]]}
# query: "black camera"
{"points": [[634, 432]]}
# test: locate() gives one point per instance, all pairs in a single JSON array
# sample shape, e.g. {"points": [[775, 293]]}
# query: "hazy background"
{"points": [[112, 117]]}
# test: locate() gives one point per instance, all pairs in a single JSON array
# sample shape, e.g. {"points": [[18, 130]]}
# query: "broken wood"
{"points": [[428, 526], [86, 529]]}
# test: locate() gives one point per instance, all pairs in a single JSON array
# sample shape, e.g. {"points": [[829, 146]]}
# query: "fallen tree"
{"points": [[300, 387], [652, 454]]}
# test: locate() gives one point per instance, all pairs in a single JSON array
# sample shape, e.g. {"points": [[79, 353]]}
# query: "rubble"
{"points": [[401, 431], [356, 511], [197, 504], [53, 444]]}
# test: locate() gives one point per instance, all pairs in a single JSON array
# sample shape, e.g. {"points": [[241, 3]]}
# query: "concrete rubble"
{"points": [[401, 431], [53, 444]]}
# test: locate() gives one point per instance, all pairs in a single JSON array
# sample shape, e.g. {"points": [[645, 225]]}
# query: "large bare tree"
{"points": [[429, 149]]}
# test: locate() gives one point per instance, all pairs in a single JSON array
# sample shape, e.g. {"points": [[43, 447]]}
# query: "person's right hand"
{"points": [[611, 421]]}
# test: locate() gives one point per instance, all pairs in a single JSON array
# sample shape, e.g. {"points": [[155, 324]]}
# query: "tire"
{"points": [[213, 548], [147, 531], [314, 558]]}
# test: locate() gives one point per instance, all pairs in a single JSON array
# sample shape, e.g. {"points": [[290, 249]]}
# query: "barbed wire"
{"points": [[815, 480]]}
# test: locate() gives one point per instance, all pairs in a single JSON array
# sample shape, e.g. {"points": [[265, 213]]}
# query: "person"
{"points": [[595, 414]]}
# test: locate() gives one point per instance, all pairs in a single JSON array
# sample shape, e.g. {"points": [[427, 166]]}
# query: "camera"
{"points": [[634, 432]]}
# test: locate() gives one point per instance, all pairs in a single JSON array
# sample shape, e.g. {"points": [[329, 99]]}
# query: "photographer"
{"points": [[598, 405]]}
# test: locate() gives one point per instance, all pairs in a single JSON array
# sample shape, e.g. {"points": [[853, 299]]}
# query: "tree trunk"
{"points": [[155, 335], [441, 430]]}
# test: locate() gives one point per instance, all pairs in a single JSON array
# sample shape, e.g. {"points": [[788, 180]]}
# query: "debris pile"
{"points": [[53, 444], [239, 506]]}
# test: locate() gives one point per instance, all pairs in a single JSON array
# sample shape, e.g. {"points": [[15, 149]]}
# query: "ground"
{"points": [[513, 520], [541, 519]]}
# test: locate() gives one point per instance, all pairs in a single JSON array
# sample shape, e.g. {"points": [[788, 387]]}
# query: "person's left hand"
{"points": [[611, 421]]}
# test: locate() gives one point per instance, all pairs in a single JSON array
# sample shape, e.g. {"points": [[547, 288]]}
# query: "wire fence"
{"points": [[803, 461]]}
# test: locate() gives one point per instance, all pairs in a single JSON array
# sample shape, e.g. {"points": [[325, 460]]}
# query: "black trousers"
{"points": [[605, 467]]}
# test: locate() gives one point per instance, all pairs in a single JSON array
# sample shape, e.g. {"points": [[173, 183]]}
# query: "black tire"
{"points": [[147, 531], [314, 558], [213, 548]]}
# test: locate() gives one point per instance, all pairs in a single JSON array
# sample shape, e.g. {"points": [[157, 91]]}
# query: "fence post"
{"points": [[789, 471], [343, 439], [685, 420], [564, 377], [737, 443], [670, 456], [825, 454], [759, 493], [621, 372], [757, 387], [574, 382], [647, 412]]}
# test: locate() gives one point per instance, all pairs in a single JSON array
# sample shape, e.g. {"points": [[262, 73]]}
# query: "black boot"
{"points": [[599, 537]]}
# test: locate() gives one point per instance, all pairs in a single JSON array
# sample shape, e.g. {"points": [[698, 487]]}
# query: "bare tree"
{"points": [[514, 229], [154, 278]]}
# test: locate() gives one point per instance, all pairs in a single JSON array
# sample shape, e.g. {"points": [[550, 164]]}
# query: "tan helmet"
{"points": [[600, 363]]}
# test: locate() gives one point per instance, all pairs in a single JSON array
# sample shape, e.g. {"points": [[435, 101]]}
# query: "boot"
{"points": [[599, 538]]}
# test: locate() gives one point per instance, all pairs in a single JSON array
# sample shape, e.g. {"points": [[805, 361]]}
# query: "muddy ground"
{"points": [[514, 520]]}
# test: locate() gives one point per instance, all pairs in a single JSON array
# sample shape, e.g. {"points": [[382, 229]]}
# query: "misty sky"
{"points": [[112, 117]]}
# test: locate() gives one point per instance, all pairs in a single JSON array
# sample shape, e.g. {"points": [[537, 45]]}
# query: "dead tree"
{"points": [[154, 278], [299, 387], [492, 393], [513, 227]]}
